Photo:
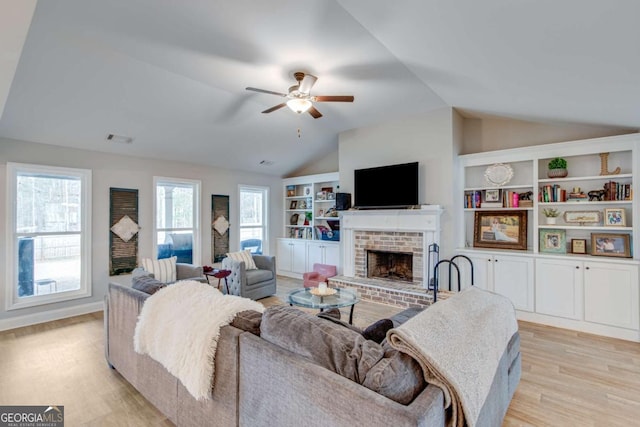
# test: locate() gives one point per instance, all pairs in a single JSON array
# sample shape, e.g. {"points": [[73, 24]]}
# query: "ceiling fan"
{"points": [[299, 97]]}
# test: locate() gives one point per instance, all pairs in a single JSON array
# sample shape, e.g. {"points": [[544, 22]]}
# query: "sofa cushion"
{"points": [[163, 269], [249, 321], [343, 351], [377, 331], [147, 284], [249, 263], [258, 276]]}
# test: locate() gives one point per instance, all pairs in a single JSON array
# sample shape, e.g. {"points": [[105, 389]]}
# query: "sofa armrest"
{"points": [[237, 277], [189, 271], [265, 262]]}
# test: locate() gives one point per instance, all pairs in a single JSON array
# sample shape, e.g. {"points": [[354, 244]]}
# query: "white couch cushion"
{"points": [[163, 270], [245, 256]]}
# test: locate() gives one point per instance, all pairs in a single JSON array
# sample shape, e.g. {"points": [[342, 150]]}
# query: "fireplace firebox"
{"points": [[390, 265]]}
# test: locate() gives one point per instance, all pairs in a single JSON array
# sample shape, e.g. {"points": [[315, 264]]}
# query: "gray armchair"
{"points": [[183, 272], [254, 284]]}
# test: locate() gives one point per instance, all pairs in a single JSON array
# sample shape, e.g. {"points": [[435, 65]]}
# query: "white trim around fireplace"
{"points": [[425, 220]]}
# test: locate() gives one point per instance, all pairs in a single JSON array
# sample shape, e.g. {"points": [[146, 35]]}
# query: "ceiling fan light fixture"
{"points": [[299, 105]]}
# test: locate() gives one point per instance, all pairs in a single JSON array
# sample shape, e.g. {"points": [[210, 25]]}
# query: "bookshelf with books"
{"points": [[582, 234]]}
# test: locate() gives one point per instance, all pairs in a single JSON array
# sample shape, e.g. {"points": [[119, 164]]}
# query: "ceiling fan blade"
{"points": [[307, 83], [346, 98], [265, 91], [277, 107], [315, 113]]}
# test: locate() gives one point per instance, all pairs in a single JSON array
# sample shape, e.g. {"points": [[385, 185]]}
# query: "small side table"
{"points": [[219, 274]]}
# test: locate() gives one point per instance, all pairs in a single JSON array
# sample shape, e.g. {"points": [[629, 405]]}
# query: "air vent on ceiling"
{"points": [[119, 139], [266, 162]]}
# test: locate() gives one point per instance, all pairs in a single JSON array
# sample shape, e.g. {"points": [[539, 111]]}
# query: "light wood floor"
{"points": [[568, 379]]}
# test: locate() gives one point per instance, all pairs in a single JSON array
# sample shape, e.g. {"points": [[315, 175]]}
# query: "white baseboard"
{"points": [[48, 316]]}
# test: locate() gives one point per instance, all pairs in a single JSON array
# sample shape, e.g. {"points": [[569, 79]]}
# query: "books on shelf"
{"points": [[300, 233], [555, 193], [617, 191]]}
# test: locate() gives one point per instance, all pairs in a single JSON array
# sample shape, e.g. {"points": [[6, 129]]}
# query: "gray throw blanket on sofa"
{"points": [[459, 343]]}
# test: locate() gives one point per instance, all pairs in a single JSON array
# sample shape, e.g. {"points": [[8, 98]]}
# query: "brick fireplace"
{"points": [[408, 232]]}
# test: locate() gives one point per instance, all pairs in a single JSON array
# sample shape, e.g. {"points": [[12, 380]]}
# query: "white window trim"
{"points": [[12, 302], [265, 211], [197, 184]]}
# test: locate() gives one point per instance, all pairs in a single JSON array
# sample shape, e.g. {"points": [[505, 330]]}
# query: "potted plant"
{"points": [[551, 215], [557, 168]]}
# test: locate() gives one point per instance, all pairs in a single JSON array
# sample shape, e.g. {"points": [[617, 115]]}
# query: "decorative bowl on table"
{"points": [[322, 292]]}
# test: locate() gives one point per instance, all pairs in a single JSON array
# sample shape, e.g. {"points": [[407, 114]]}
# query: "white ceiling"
{"points": [[172, 74]]}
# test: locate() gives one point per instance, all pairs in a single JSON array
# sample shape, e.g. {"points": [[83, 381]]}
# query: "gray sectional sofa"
{"points": [[259, 383]]}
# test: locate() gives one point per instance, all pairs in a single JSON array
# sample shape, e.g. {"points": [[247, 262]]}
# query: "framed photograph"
{"points": [[321, 195], [294, 219], [291, 190], [553, 241], [492, 195], [608, 244], [306, 191], [320, 213], [614, 217], [327, 189], [293, 204], [578, 246], [331, 196], [500, 229], [582, 217]]}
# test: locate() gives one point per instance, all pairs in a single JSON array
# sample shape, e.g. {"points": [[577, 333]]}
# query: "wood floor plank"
{"points": [[568, 378]]}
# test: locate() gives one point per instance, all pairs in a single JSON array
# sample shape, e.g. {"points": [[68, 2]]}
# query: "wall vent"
{"points": [[119, 139]]}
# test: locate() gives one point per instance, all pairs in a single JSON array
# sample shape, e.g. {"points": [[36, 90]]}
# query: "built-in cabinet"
{"points": [[557, 285], [297, 256], [323, 253]]}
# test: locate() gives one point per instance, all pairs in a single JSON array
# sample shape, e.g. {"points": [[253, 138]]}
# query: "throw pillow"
{"points": [[147, 284], [245, 256], [162, 269], [377, 331]]}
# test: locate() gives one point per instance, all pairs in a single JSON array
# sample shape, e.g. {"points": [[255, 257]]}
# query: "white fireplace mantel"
{"points": [[425, 220]]}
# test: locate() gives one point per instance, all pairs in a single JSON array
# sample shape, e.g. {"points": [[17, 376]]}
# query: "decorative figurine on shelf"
{"points": [[596, 195], [525, 196]]}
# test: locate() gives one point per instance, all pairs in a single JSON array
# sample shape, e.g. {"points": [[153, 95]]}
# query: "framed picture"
{"points": [[607, 244], [578, 246], [331, 196], [302, 204], [294, 219], [492, 195], [293, 204], [306, 191], [327, 189], [500, 229], [320, 213], [321, 195], [291, 190], [581, 216], [553, 241], [614, 217]]}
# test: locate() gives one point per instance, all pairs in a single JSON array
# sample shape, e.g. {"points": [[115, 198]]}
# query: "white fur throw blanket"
{"points": [[179, 327], [459, 342]]}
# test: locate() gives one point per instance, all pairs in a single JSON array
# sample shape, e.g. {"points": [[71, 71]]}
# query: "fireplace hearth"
{"points": [[390, 265]]}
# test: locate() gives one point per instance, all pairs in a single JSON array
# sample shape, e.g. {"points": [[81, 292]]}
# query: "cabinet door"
{"points": [[298, 256], [513, 278], [284, 255], [559, 288], [611, 294], [332, 254], [315, 254], [482, 266]]}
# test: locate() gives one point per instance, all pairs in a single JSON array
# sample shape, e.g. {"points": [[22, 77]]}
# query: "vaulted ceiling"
{"points": [[172, 75]]}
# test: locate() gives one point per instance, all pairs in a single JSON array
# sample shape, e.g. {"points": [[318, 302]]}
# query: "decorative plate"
{"points": [[327, 292], [498, 174]]}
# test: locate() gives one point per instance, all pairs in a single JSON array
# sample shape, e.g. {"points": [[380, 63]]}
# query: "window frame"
{"points": [[196, 254], [265, 215], [12, 301]]}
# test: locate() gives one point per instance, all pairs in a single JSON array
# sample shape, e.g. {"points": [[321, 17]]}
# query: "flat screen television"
{"points": [[392, 186]]}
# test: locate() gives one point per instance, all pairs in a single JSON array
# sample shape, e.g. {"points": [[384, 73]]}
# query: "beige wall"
{"points": [[110, 170], [326, 164], [425, 138], [494, 133]]}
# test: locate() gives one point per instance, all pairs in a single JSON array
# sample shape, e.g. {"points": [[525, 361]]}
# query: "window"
{"points": [[49, 234], [177, 207], [253, 219]]}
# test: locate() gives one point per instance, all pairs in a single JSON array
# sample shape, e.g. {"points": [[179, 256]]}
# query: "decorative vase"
{"points": [[557, 173], [551, 220]]}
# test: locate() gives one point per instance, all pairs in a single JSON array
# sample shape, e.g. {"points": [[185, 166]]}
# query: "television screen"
{"points": [[393, 186]]}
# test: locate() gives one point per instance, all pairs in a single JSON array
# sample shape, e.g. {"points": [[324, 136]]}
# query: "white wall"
{"points": [[137, 173], [495, 133], [326, 164], [427, 139]]}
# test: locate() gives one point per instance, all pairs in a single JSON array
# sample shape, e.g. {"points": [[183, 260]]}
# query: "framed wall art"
{"points": [[614, 217], [553, 241], [500, 229], [578, 246], [219, 227]]}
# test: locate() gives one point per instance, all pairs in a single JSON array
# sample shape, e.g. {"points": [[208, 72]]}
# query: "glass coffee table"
{"points": [[303, 297]]}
